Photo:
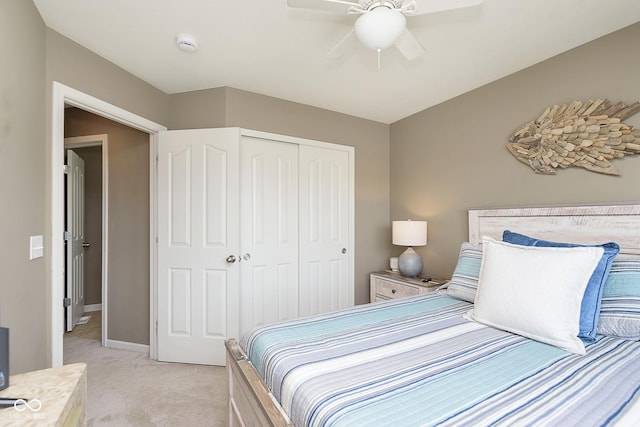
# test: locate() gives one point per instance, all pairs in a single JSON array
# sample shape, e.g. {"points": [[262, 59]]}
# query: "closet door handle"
{"points": [[246, 257], [231, 259], [344, 250]]}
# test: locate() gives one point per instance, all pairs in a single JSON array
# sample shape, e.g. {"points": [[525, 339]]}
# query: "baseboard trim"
{"points": [[92, 307], [131, 346]]}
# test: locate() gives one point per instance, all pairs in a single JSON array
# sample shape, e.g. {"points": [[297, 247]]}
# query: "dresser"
{"points": [[56, 397], [385, 285]]}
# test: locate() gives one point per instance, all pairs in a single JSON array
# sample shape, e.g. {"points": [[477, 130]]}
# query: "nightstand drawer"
{"points": [[386, 285], [386, 289]]}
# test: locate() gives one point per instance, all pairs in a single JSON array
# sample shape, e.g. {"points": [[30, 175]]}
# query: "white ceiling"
{"points": [[265, 47]]}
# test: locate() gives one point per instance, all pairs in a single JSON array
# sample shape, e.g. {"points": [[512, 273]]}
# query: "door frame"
{"points": [[61, 95], [101, 140]]}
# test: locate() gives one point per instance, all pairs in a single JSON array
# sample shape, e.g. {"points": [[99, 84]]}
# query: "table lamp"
{"points": [[409, 233]]}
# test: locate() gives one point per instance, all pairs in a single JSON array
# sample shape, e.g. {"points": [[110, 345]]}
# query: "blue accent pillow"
{"points": [[464, 281], [590, 309], [620, 309]]}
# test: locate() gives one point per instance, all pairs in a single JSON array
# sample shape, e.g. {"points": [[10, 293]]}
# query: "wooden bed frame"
{"points": [[252, 404]]}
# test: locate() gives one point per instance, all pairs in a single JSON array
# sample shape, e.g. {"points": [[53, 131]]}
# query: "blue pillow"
{"points": [[620, 309], [590, 309], [464, 281]]}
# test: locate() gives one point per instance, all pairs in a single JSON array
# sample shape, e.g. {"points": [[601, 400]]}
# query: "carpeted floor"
{"points": [[91, 330], [126, 388]]}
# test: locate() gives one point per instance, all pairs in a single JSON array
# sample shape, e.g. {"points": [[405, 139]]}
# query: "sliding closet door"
{"points": [[269, 231], [326, 279], [198, 244]]}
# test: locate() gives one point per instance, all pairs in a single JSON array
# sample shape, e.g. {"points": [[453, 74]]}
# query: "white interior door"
{"points": [[326, 282], [74, 239], [198, 243], [269, 231]]}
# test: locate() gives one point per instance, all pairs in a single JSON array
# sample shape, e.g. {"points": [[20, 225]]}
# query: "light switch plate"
{"points": [[36, 247]]}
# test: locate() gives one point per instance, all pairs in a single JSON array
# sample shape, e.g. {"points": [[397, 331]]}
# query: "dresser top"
{"points": [[48, 392]]}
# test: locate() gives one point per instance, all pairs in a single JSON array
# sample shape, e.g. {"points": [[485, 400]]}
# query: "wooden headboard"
{"points": [[575, 224]]}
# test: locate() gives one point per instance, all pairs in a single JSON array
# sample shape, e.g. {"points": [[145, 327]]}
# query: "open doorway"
{"points": [[127, 220], [66, 96]]}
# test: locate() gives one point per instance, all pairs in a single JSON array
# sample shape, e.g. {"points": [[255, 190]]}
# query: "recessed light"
{"points": [[187, 42]]}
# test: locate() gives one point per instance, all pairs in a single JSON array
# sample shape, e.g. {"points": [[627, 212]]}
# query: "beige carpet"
{"points": [[126, 388], [90, 330]]}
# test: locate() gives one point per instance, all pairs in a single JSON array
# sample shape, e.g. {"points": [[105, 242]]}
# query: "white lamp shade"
{"points": [[409, 233], [379, 28]]}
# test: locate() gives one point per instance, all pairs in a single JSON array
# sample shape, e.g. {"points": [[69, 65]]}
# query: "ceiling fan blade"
{"points": [[409, 46], [431, 6], [339, 6], [345, 44]]}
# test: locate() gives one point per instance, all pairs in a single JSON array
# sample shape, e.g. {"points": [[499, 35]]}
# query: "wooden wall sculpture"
{"points": [[580, 134]]}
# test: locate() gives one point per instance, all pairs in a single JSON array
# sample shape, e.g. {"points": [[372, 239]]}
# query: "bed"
{"points": [[459, 357]]}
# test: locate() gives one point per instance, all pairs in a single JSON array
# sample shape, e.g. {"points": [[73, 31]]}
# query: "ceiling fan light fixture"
{"points": [[380, 27]]}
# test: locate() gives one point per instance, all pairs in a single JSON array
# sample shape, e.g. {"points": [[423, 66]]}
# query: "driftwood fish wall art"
{"points": [[580, 134]]}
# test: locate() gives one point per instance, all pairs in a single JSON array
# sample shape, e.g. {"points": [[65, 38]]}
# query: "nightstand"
{"points": [[386, 285]]}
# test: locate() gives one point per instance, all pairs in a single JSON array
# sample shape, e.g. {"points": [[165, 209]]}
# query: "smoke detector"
{"points": [[187, 42]]}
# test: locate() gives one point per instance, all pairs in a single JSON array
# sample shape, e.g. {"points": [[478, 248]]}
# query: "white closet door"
{"points": [[198, 233], [326, 282], [269, 231]]}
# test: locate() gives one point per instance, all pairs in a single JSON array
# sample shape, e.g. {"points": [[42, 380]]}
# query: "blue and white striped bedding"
{"points": [[418, 362]]}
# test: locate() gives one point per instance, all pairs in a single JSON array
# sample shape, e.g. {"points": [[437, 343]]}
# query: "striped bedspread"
{"points": [[418, 362]]}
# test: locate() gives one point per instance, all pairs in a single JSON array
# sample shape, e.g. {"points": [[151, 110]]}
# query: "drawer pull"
{"points": [[393, 291]]}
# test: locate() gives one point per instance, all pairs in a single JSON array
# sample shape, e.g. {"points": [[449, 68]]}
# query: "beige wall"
{"points": [[452, 157], [77, 67], [128, 217], [23, 302], [370, 139], [198, 109]]}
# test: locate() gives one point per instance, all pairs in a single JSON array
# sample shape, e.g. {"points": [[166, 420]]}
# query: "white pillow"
{"points": [[535, 291]]}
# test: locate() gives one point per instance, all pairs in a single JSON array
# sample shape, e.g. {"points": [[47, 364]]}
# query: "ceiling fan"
{"points": [[382, 23]]}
